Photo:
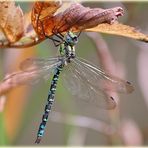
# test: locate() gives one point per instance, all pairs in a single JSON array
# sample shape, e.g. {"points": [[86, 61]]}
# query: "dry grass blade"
{"points": [[120, 29], [2, 103], [11, 20], [15, 79]]}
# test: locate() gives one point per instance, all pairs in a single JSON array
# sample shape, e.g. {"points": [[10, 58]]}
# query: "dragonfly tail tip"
{"points": [[37, 141]]}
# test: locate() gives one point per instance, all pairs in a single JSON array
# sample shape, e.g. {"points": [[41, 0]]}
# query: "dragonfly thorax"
{"points": [[69, 53], [71, 39], [67, 48]]}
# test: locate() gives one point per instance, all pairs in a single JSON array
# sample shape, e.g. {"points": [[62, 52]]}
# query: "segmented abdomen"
{"points": [[50, 100]]}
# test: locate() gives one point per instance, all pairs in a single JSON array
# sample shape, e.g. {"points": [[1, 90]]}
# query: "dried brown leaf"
{"points": [[53, 17], [120, 29], [11, 20], [98, 16], [43, 11], [76, 17], [29, 38], [46, 9]]}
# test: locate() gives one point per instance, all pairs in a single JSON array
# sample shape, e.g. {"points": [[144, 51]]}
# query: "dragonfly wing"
{"points": [[79, 83], [90, 83], [104, 81], [37, 63], [33, 70]]}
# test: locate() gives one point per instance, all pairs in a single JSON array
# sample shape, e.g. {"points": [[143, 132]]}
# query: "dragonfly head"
{"points": [[71, 38]]}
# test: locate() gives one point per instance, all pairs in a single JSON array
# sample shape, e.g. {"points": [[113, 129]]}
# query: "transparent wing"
{"points": [[38, 63], [91, 84], [107, 82], [33, 70]]}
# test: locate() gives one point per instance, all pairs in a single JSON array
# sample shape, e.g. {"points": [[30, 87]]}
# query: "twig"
{"points": [[82, 121]]}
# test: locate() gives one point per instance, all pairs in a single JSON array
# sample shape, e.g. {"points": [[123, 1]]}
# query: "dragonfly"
{"points": [[83, 79]]}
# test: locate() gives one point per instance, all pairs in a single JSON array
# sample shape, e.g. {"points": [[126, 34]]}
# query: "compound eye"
{"points": [[75, 38], [68, 39]]}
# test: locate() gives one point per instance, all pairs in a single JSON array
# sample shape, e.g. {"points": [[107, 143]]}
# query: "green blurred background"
{"points": [[130, 116]]}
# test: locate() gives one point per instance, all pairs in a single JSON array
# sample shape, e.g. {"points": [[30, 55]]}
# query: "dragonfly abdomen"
{"points": [[50, 100]]}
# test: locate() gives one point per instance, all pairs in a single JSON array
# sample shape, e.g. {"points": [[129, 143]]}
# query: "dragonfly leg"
{"points": [[56, 32], [56, 42], [43, 30], [79, 33], [59, 35]]}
